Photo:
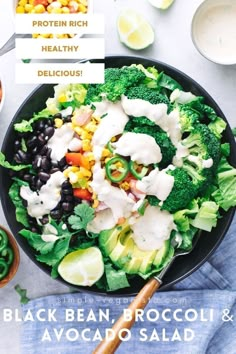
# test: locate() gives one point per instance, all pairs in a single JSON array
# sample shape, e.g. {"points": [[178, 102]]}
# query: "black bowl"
{"points": [[183, 266]]}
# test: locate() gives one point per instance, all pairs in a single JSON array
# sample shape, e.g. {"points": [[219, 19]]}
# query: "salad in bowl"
{"points": [[110, 179]]}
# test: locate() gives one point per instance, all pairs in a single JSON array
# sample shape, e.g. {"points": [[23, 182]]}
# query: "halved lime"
{"points": [[134, 31], [82, 267], [161, 4]]}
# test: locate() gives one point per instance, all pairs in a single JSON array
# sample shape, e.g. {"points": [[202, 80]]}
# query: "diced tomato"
{"points": [[41, 2], [82, 194], [129, 177], [77, 159]]}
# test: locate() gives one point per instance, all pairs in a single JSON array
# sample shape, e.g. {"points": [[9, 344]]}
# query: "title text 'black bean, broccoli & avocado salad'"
{"points": [[109, 179]]}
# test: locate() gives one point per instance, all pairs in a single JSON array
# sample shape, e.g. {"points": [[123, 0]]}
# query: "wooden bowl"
{"points": [[14, 266]]}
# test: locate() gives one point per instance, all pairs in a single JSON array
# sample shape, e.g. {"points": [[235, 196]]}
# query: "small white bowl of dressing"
{"points": [[214, 31]]}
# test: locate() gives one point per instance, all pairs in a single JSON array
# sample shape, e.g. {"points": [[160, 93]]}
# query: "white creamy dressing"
{"points": [[112, 124], [214, 29], [60, 141], [199, 161], [115, 198], [152, 229], [141, 148], [157, 113], [42, 202], [181, 151], [103, 220], [157, 183]]}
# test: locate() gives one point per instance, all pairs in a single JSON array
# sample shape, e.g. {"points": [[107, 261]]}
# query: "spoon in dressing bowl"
{"points": [[109, 346]]}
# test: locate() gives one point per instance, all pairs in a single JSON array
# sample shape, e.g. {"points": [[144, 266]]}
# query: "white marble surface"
{"points": [[172, 45]]}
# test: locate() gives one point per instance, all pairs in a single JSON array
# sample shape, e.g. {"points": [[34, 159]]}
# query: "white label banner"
{"points": [[59, 23], [38, 73], [73, 48]]}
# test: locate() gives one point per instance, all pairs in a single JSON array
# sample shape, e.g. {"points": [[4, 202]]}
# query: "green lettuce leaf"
{"points": [[7, 164], [26, 125], [21, 211]]}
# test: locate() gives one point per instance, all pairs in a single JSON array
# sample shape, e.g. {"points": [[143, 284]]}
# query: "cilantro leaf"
{"points": [[7, 164], [35, 240], [83, 214]]}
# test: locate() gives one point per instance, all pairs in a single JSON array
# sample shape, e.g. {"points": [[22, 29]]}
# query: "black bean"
{"points": [[40, 125], [53, 170], [44, 220], [68, 198], [34, 229], [34, 151], [41, 139], [39, 184], [62, 162], [68, 118], [67, 191], [27, 177], [48, 154], [54, 164], [49, 132], [57, 115], [66, 184], [43, 150], [67, 206], [44, 176], [22, 157], [37, 162], [46, 164], [32, 142], [56, 214], [17, 145]]}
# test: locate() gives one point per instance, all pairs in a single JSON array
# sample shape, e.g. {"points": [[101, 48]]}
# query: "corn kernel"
{"points": [[20, 10], [85, 172], [125, 186], [90, 156], [58, 122], [82, 8], [106, 153], [39, 9], [113, 139], [22, 2], [31, 2], [28, 8], [86, 146], [91, 127], [94, 195], [78, 130], [56, 10], [95, 203], [65, 10], [84, 2], [62, 98], [63, 2], [74, 168], [79, 175], [119, 165]]}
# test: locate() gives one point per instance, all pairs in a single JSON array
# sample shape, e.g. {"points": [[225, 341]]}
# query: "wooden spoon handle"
{"points": [[108, 346]]}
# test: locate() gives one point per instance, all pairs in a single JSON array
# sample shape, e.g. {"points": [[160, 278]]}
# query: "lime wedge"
{"points": [[82, 267], [161, 4], [134, 31]]}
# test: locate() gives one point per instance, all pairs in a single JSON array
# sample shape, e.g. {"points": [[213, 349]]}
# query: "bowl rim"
{"points": [[197, 12], [16, 261], [230, 213]]}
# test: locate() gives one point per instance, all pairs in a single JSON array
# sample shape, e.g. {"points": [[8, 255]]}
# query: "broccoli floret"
{"points": [[145, 93], [202, 145], [144, 126], [188, 118], [117, 81], [182, 193]]}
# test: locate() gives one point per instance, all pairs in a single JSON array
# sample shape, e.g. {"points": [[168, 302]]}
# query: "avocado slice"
{"points": [[162, 254], [109, 238]]}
